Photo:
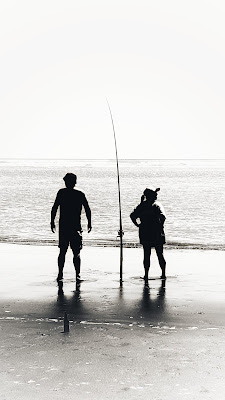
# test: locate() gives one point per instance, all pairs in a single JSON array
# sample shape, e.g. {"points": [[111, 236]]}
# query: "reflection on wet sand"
{"points": [[108, 307], [72, 305], [154, 304]]}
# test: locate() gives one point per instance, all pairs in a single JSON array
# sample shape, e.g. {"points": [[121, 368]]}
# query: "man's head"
{"points": [[70, 180]]}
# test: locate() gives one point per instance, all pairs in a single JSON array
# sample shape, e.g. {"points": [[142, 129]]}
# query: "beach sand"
{"points": [[129, 342]]}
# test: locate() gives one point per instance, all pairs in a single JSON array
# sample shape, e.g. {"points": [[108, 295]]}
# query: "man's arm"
{"points": [[87, 212], [53, 212]]}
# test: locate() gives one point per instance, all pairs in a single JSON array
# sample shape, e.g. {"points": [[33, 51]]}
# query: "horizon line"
{"points": [[105, 159]]}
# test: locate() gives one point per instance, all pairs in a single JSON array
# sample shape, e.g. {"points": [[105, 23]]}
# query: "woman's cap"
{"points": [[151, 191]]}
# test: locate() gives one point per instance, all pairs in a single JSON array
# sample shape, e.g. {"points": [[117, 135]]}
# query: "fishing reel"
{"points": [[120, 233]]}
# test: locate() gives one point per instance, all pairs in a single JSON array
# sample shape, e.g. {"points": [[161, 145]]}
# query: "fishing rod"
{"points": [[120, 232]]}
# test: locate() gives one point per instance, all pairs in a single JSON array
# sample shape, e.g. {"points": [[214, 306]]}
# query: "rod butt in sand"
{"points": [[66, 323]]}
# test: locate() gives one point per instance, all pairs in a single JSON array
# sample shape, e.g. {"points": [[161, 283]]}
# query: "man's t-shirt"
{"points": [[70, 202]]}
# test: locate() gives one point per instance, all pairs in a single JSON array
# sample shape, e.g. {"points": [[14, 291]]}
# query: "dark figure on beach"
{"points": [[70, 201], [151, 228]]}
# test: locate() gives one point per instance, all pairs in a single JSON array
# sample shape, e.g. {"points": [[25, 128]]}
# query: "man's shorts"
{"points": [[70, 237]]}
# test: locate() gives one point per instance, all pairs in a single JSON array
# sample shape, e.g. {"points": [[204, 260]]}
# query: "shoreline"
{"points": [[164, 341], [116, 244]]}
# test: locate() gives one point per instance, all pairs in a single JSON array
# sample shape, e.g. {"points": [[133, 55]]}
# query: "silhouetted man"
{"points": [[70, 202]]}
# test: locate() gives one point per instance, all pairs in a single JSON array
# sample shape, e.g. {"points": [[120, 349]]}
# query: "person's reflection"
{"points": [[60, 289], [76, 303], [72, 305], [153, 306], [62, 303]]}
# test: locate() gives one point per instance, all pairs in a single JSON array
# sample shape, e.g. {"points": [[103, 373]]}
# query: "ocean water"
{"points": [[192, 193]]}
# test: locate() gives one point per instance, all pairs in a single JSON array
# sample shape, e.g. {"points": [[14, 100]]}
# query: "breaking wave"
{"points": [[113, 243]]}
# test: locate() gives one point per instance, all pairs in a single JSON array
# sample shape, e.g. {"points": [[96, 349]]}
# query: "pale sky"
{"points": [[160, 63]]}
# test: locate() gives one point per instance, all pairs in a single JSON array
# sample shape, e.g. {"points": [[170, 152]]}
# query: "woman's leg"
{"points": [[162, 261], [146, 261]]}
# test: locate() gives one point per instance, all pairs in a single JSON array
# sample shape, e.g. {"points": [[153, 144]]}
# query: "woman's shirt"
{"points": [[152, 217]]}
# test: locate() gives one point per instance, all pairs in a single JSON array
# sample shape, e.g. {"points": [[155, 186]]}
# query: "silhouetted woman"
{"points": [[151, 215]]}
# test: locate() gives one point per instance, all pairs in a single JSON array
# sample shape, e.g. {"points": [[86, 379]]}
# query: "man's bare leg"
{"points": [[61, 262], [76, 262]]}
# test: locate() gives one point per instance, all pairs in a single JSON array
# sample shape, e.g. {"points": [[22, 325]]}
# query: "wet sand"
{"points": [[161, 342]]}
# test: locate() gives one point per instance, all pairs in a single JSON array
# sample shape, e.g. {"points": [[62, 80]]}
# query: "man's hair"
{"points": [[70, 179]]}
